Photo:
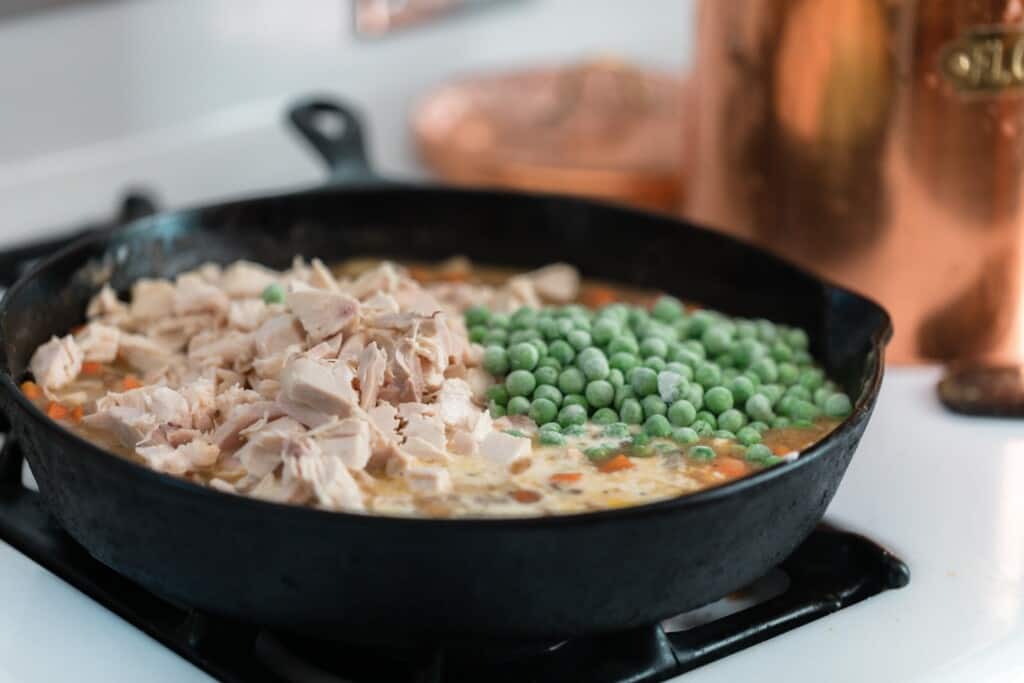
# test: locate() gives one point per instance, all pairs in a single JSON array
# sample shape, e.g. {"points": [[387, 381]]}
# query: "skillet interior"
{"points": [[549, 577]]}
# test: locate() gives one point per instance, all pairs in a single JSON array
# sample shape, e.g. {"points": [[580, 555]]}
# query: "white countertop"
{"points": [[945, 493]]}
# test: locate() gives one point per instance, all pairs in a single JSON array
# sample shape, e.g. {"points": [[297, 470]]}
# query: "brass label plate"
{"points": [[986, 59]]}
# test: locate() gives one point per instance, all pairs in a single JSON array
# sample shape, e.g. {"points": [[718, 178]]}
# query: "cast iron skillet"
{"points": [[364, 577]]}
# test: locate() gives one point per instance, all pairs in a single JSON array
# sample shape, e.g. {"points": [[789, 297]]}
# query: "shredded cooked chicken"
{"points": [[318, 400]]}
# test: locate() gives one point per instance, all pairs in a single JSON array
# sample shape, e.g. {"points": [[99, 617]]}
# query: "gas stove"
{"points": [[943, 492]]}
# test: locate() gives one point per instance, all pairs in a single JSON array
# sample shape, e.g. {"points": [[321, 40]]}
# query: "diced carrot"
{"points": [[454, 276], [566, 477], [781, 450], [31, 390], [619, 462], [597, 296], [91, 368], [420, 274], [77, 414], [77, 328], [130, 382], [731, 467], [56, 411], [524, 496]]}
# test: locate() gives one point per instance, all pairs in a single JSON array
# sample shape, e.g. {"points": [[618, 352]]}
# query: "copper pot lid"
{"points": [[601, 128]]}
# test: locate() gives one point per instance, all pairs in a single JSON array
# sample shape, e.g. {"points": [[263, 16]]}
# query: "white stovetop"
{"points": [[945, 493]]}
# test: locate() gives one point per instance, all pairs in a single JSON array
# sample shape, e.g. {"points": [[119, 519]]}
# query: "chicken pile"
{"points": [[316, 400]]}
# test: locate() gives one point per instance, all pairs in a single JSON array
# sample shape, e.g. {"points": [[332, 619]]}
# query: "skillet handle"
{"points": [[335, 131]]}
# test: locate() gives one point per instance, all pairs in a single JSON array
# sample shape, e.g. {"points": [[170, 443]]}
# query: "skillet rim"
{"points": [[862, 407]]}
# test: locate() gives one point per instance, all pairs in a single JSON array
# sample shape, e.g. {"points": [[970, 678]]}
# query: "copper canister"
{"points": [[878, 142]]}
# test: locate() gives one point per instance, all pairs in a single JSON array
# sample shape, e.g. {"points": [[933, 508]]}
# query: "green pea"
{"points": [[604, 416], [616, 378], [551, 438], [577, 400], [759, 454], [731, 420], [496, 410], [498, 393], [561, 350], [781, 422], [682, 413], [604, 330], [716, 340], [653, 346], [759, 426], [781, 352], [803, 423], [724, 434], [631, 412], [797, 338], [553, 426], [565, 326], [812, 378], [766, 330], [546, 391], [837, 405], [685, 356], [707, 375], [546, 376], [804, 410], [644, 381], [593, 363], [701, 453], [475, 315], [548, 327], [549, 362], [522, 319], [820, 395], [518, 405], [622, 393], [653, 405], [759, 407], [702, 428], [708, 417], [623, 343], [766, 369], [655, 363], [499, 320], [520, 383], [657, 425], [274, 293], [799, 391], [728, 374], [572, 415], [542, 410], [598, 453], [742, 389], [495, 360], [718, 400], [681, 369], [745, 329], [670, 385], [746, 352], [540, 345], [685, 435], [773, 391], [802, 358], [495, 337], [788, 373], [699, 323], [615, 429], [623, 361], [578, 339], [748, 436], [572, 381], [522, 336], [477, 334], [600, 393], [694, 393], [574, 430], [667, 308]]}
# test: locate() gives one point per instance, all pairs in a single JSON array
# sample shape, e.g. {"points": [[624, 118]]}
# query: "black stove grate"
{"points": [[831, 570]]}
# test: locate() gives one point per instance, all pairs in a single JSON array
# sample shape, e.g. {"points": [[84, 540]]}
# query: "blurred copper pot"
{"points": [[600, 129], [880, 142]]}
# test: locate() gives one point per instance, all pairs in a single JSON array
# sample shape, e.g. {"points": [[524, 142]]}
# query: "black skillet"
{"points": [[379, 578]]}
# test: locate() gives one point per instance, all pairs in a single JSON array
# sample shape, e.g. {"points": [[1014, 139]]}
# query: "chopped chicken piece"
{"points": [[131, 426], [276, 335], [503, 448], [371, 375], [558, 282], [333, 486], [247, 280], [225, 347], [143, 353], [151, 299], [425, 451], [323, 313], [197, 454], [98, 342], [428, 428], [227, 435], [321, 277], [263, 449], [428, 479], [193, 294], [326, 349], [455, 404], [318, 386], [57, 362], [348, 440], [385, 417], [247, 314], [107, 306]]}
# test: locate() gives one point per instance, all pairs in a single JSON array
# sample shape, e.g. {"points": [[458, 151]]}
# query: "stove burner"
{"points": [[831, 570]]}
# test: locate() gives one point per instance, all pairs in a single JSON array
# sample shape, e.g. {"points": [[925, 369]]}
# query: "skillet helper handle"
{"points": [[335, 131]]}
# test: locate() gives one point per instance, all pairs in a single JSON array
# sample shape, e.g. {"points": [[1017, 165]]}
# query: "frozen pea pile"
{"points": [[678, 373]]}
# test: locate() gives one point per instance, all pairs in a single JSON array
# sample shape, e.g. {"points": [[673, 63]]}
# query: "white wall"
{"points": [[85, 88]]}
